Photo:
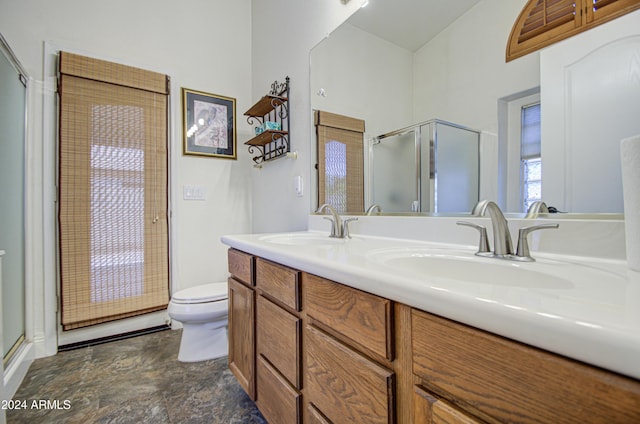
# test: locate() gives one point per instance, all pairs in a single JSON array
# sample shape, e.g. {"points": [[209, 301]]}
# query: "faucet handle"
{"points": [[333, 226], [483, 245], [523, 253], [345, 227]]}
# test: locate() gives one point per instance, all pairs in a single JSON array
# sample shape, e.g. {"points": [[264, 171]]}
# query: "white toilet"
{"points": [[203, 312]]}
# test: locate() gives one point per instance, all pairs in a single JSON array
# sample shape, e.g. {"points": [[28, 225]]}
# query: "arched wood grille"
{"points": [[544, 22]]}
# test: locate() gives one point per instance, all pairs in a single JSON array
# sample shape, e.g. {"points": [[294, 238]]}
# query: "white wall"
{"points": [[203, 45], [284, 31], [459, 77], [364, 77], [461, 73], [585, 117]]}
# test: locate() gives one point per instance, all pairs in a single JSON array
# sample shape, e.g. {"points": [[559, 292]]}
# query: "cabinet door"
{"points": [[277, 401], [344, 385], [278, 339], [428, 409], [242, 335]]}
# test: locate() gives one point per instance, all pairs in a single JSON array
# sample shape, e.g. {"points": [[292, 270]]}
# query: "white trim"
{"points": [[53, 334], [17, 369], [122, 326]]}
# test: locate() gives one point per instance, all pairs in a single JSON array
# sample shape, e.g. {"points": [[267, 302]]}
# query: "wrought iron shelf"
{"points": [[266, 137], [266, 105], [274, 107]]}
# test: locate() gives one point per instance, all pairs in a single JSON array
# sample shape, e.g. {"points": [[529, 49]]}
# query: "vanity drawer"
{"points": [[428, 408], [241, 266], [277, 401], [315, 417], [509, 381], [278, 334], [279, 282], [364, 318], [343, 384]]}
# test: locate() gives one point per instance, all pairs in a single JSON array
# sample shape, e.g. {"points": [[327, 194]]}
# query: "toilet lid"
{"points": [[201, 294]]}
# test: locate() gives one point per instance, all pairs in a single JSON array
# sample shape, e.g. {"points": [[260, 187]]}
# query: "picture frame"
{"points": [[208, 124]]}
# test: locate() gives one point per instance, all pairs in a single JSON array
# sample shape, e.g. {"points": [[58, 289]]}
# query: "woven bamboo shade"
{"points": [[340, 161], [113, 227]]}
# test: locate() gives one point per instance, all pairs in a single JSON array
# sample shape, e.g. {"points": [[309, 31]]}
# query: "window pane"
{"points": [[530, 141]]}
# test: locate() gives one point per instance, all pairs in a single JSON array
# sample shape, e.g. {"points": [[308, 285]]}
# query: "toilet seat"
{"points": [[205, 293]]}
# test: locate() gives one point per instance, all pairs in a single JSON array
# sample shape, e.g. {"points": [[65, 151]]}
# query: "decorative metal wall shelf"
{"points": [[274, 107]]}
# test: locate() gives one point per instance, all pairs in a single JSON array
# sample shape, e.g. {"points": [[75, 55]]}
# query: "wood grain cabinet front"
{"points": [[344, 385], [278, 339], [365, 319], [278, 282], [241, 335], [241, 266], [277, 401], [430, 409], [499, 380]]}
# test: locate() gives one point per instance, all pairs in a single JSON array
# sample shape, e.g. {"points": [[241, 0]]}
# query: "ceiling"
{"points": [[409, 23]]}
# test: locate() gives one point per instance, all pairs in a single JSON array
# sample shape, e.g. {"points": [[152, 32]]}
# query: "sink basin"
{"points": [[302, 239], [464, 266]]}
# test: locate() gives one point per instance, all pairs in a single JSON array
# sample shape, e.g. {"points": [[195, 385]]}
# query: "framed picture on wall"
{"points": [[208, 124]]}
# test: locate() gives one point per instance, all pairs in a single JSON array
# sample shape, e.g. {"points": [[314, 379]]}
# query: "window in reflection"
{"points": [[531, 163]]}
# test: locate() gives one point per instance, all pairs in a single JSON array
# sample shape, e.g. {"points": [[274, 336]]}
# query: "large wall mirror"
{"points": [[397, 63]]}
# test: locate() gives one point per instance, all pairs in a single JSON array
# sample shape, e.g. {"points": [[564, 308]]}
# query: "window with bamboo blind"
{"points": [[112, 202], [340, 161], [544, 22]]}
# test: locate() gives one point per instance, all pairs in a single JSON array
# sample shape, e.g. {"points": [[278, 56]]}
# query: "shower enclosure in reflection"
{"points": [[433, 166]]}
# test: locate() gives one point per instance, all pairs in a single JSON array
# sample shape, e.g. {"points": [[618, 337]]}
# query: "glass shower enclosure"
{"points": [[433, 166]]}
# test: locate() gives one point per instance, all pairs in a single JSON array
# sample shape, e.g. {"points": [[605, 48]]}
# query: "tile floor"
{"points": [[135, 380]]}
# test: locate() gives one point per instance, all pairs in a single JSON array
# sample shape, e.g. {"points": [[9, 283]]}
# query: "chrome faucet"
{"points": [[339, 228], [536, 208], [373, 208], [502, 246]]}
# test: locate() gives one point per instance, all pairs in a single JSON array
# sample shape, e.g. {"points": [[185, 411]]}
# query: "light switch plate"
{"points": [[298, 185], [193, 192]]}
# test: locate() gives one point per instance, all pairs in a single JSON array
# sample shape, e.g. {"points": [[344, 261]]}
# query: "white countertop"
{"points": [[595, 319]]}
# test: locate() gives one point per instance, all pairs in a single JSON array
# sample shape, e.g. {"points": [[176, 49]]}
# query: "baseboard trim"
{"points": [[115, 337]]}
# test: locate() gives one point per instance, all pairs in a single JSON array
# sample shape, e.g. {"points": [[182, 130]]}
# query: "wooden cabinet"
{"points": [[499, 380], [348, 344], [365, 319], [279, 342], [277, 400], [310, 350], [343, 384], [278, 331], [242, 335], [430, 409], [279, 283], [241, 266], [242, 356]]}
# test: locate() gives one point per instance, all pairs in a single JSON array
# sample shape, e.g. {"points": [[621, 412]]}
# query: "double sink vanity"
{"points": [[403, 322]]}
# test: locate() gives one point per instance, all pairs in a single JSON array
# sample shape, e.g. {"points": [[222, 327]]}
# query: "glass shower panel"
{"points": [[394, 165], [457, 163], [12, 187]]}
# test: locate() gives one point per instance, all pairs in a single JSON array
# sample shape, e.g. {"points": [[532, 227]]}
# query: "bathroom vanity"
{"points": [[327, 331]]}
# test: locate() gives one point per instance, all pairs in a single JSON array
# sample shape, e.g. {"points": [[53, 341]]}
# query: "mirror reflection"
{"points": [[369, 70]]}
